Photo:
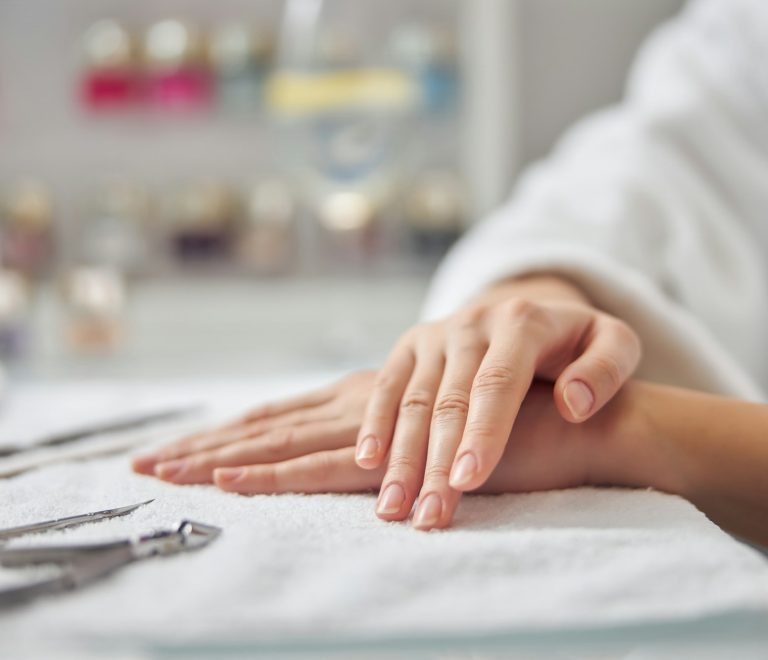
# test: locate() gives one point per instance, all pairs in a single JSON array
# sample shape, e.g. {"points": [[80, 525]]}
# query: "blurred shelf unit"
{"points": [[325, 140], [354, 163]]}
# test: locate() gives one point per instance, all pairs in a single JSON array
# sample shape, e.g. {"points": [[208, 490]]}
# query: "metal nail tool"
{"points": [[81, 564], [69, 521], [114, 426]]}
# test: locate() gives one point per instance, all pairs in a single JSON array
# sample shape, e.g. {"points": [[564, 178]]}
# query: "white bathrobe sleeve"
{"points": [[657, 208]]}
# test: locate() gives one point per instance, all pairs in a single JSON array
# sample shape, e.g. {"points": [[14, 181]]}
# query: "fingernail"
{"points": [[429, 511], [368, 448], [391, 500], [229, 474], [579, 398], [169, 469], [144, 463], [463, 471]]}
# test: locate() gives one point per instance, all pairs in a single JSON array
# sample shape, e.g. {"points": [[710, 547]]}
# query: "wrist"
{"points": [[627, 445]]}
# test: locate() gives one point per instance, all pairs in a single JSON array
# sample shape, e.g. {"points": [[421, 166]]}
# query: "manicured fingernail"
{"points": [[368, 448], [391, 500], [144, 463], [463, 471], [229, 474], [169, 469], [579, 398], [429, 511]]}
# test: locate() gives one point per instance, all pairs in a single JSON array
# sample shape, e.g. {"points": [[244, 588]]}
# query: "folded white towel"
{"points": [[319, 566]]}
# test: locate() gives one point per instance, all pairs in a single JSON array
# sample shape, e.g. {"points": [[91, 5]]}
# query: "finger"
{"points": [[437, 500], [380, 415], [274, 408], [228, 434], [498, 389], [610, 357], [277, 446], [405, 471], [332, 471]]}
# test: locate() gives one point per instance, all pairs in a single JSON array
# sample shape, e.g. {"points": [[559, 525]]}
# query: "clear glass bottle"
{"points": [[14, 313], [113, 226], [241, 57], [95, 301]]}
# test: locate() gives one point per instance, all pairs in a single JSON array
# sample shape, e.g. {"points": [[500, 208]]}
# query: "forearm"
{"points": [[711, 450]]}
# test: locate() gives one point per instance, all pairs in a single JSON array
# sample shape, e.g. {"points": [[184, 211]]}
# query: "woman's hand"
{"points": [[252, 456], [444, 405], [277, 447]]}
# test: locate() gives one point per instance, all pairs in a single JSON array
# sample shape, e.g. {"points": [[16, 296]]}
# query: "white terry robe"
{"points": [[657, 208]]}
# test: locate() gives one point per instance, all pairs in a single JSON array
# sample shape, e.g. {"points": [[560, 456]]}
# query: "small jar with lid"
{"points": [[177, 73], [26, 228], [200, 220], [95, 302], [434, 210], [111, 79], [267, 241]]}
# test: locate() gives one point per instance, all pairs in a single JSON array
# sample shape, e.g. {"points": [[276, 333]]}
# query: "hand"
{"points": [[252, 456], [444, 405], [280, 446]]}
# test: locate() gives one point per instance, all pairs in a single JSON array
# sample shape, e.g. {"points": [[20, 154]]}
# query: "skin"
{"points": [[436, 419], [710, 450]]}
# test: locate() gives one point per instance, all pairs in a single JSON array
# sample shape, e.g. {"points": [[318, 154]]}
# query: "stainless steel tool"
{"points": [[101, 428], [69, 521], [85, 563]]}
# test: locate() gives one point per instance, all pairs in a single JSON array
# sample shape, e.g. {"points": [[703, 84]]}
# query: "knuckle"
{"points": [[608, 370], [626, 334], [451, 405], [416, 402], [437, 473], [281, 442], [522, 312], [497, 377], [402, 465], [467, 319], [385, 382]]}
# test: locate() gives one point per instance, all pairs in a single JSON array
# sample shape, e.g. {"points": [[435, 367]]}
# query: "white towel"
{"points": [[293, 566]]}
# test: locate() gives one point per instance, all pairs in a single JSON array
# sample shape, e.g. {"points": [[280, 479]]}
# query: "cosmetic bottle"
{"points": [[241, 58], [26, 229], [177, 74], [14, 315], [267, 241], [429, 55], [434, 210], [348, 220], [200, 221], [111, 79], [113, 225], [95, 301]]}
